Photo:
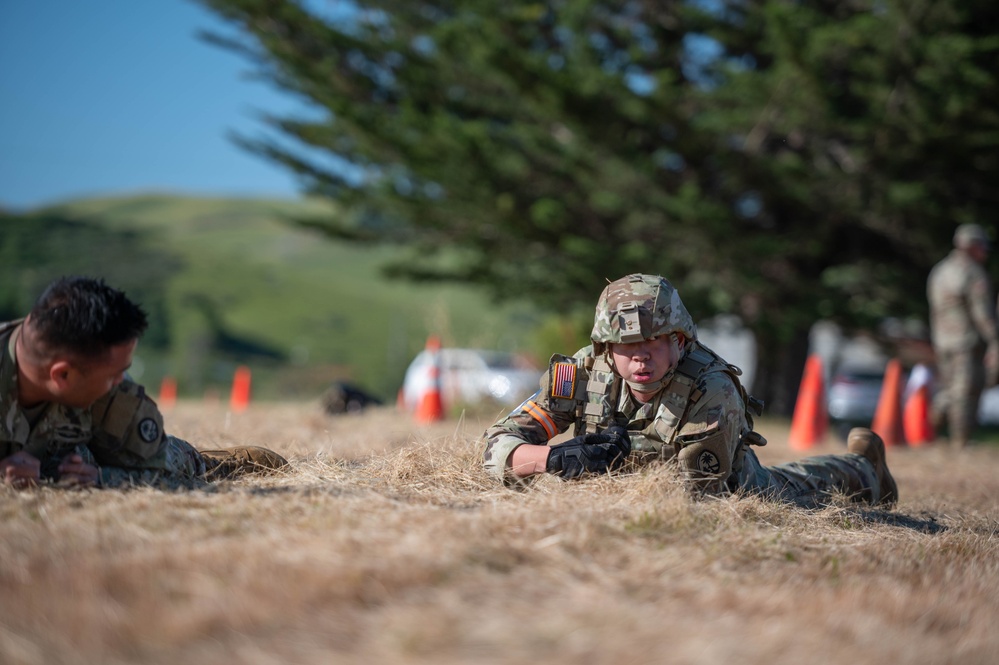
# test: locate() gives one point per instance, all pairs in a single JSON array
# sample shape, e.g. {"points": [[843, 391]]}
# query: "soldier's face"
{"points": [[647, 361], [88, 382], [979, 252]]}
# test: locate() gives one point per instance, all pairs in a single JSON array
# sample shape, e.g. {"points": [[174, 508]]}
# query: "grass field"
{"points": [[385, 543]]}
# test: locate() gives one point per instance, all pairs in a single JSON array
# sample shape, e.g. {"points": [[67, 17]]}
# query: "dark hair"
{"points": [[85, 317]]}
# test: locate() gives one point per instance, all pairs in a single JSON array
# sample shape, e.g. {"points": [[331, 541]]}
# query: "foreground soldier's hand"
{"points": [[75, 472], [21, 470], [589, 453]]}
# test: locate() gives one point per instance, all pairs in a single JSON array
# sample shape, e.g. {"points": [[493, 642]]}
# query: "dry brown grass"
{"points": [[386, 543]]}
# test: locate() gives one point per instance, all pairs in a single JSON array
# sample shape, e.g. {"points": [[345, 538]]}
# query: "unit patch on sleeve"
{"points": [[149, 430]]}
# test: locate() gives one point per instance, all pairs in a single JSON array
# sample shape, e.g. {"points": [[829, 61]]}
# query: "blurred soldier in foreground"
{"points": [[646, 390], [963, 328], [68, 413]]}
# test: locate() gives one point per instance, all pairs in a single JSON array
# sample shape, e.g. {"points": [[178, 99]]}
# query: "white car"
{"points": [[852, 397], [470, 376]]}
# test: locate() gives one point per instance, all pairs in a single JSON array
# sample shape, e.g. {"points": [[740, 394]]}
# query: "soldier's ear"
{"points": [[60, 372]]}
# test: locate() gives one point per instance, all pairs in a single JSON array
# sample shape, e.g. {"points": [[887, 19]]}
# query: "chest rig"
{"points": [[591, 392]]}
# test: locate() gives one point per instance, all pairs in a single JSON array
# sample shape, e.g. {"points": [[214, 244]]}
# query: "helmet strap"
{"points": [[651, 387]]}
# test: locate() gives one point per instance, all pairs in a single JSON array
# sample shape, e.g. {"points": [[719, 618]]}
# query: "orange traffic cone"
{"points": [[917, 425], [888, 416], [430, 407], [240, 397], [168, 393], [810, 421], [916, 421]]}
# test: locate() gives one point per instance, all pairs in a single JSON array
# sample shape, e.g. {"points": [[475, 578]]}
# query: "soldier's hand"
{"points": [[74, 471], [589, 453], [20, 470]]}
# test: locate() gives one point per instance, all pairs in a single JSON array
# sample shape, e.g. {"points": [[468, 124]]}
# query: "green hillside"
{"points": [[248, 287]]}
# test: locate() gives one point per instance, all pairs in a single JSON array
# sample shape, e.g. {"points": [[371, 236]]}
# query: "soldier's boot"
{"points": [[862, 441], [231, 462]]}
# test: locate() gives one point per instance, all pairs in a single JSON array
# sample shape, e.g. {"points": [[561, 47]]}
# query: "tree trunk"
{"points": [[779, 368]]}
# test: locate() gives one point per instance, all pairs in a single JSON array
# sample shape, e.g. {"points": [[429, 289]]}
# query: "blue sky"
{"points": [[103, 97]]}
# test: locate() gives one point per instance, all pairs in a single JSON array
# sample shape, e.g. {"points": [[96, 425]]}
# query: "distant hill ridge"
{"points": [[245, 285]]}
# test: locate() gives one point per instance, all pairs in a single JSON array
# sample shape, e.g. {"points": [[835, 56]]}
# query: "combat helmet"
{"points": [[967, 235], [638, 307]]}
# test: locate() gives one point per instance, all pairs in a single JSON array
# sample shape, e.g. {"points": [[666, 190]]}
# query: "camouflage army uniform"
{"points": [[122, 433], [963, 327], [700, 417]]}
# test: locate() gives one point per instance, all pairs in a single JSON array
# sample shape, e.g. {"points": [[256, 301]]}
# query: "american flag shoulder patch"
{"points": [[563, 380]]}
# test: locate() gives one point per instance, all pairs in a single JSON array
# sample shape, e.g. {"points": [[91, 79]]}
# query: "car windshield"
{"points": [[859, 376]]}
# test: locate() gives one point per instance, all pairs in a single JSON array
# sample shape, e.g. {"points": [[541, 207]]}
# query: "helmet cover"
{"points": [[639, 307], [967, 235]]}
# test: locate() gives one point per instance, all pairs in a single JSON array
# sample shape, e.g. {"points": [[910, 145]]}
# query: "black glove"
{"points": [[589, 453]]}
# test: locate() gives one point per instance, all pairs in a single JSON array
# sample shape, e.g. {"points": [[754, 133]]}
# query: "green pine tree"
{"points": [[782, 161]]}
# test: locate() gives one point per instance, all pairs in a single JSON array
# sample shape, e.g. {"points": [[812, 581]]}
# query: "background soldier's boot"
{"points": [[230, 462], [863, 441]]}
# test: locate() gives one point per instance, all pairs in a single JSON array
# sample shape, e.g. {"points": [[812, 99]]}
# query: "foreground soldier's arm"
{"points": [[708, 441], [584, 454], [516, 447], [528, 460], [131, 447]]}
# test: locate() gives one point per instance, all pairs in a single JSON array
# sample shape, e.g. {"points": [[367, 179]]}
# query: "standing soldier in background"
{"points": [[963, 329], [70, 415]]}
